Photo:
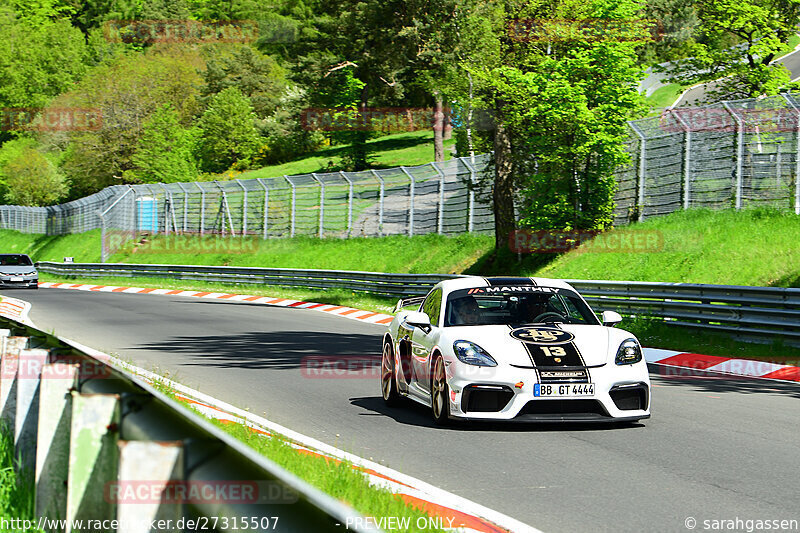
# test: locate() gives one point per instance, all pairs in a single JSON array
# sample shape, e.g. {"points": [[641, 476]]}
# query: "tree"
{"points": [[742, 38], [165, 151], [229, 132], [32, 180], [560, 106]]}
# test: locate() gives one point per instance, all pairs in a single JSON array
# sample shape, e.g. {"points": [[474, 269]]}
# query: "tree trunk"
{"points": [[438, 129], [503, 190]]}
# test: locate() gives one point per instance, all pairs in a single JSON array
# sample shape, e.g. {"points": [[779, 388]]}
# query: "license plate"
{"points": [[17, 278], [565, 390]]}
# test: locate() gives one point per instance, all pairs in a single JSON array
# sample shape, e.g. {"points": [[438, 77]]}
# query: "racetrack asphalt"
{"points": [[715, 448]]}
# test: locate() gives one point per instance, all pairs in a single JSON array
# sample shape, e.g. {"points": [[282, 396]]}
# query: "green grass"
{"points": [[756, 247], [338, 479], [421, 254], [408, 149], [16, 496], [664, 96], [84, 247]]}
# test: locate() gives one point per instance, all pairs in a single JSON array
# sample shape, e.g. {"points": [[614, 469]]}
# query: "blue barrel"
{"points": [[147, 208]]}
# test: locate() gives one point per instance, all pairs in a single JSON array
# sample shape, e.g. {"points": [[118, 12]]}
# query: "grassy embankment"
{"points": [[16, 496]]}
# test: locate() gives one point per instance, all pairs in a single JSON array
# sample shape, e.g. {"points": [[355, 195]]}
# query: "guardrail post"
{"points": [[739, 153], [294, 205], [155, 464], [349, 203], [381, 194], [93, 456], [321, 204], [411, 202], [471, 203], [52, 441], [29, 377], [266, 206], [440, 214], [9, 361]]}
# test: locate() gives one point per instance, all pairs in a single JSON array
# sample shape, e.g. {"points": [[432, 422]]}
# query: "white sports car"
{"points": [[523, 349]]}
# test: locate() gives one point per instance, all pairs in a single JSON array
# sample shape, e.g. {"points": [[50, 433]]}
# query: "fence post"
{"points": [[202, 209], [294, 199], [471, 203], [321, 204], [642, 168], [244, 206], [796, 156], [440, 214], [381, 193], [349, 203], [739, 153], [411, 202], [266, 206], [687, 143], [185, 205]]}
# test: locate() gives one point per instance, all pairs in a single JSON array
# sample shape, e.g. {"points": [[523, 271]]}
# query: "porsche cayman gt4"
{"points": [[523, 349]]}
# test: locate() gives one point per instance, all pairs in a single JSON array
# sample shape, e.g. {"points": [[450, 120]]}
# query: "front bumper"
{"points": [[26, 283], [622, 393]]}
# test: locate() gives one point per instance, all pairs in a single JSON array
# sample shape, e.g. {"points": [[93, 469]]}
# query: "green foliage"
{"points": [[165, 151], [126, 92], [40, 58], [230, 136], [741, 39], [16, 495], [28, 176]]}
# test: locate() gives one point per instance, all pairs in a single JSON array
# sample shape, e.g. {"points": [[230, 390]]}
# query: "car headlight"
{"points": [[472, 354], [629, 352]]}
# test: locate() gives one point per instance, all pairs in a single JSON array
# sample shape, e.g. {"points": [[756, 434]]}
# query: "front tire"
{"points": [[388, 382], [440, 403]]}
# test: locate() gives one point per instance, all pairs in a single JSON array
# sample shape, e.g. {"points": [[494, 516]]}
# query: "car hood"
{"points": [[16, 270], [593, 342]]}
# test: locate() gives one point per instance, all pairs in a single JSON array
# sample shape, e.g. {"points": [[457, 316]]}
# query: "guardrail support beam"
{"points": [[26, 419], [9, 361]]}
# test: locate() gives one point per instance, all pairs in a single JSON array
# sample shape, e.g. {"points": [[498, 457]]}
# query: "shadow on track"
{"points": [[278, 350], [712, 382], [414, 414]]}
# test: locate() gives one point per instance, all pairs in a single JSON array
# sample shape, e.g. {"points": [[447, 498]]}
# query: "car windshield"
{"points": [[15, 260], [515, 306]]}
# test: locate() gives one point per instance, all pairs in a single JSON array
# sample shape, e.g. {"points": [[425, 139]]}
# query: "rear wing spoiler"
{"points": [[405, 302]]}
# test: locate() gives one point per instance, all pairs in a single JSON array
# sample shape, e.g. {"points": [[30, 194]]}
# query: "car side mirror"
{"points": [[418, 319], [611, 318]]}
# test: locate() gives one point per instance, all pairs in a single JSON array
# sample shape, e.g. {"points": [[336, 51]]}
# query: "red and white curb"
{"points": [[725, 365], [14, 309], [456, 513], [338, 310]]}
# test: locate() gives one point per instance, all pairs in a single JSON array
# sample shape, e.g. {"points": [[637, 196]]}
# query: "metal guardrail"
{"points": [[373, 282], [754, 313], [102, 444]]}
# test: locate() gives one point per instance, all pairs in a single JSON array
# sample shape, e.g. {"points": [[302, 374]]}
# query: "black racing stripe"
{"points": [[509, 282]]}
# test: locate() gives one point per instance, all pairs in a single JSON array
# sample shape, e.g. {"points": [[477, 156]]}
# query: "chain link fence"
{"points": [[433, 198], [733, 154]]}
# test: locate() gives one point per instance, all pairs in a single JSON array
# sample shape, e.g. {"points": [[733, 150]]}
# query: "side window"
{"points": [[433, 305]]}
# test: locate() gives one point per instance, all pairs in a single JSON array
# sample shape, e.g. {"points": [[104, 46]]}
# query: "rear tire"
{"points": [[440, 403], [389, 392]]}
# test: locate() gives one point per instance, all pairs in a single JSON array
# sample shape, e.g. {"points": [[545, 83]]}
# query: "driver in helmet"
{"points": [[465, 311], [530, 306]]}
